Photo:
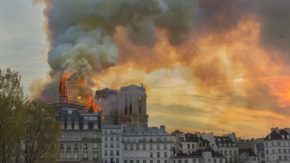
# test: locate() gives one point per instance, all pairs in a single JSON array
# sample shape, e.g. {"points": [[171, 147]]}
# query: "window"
{"points": [[125, 146], [226, 152], [235, 153], [192, 145], [158, 154], [221, 152], [151, 161], [137, 161], [188, 146], [131, 146], [230, 152], [273, 151], [61, 146], [165, 161], [95, 156], [68, 146], [151, 154], [278, 143], [221, 161], [179, 161], [117, 138], [279, 150], [112, 138], [214, 161], [185, 161], [111, 152], [75, 146], [165, 154], [285, 157], [158, 161], [144, 161], [158, 146], [117, 145], [106, 145], [165, 146], [106, 152], [117, 160], [85, 146], [112, 145], [144, 146], [151, 146], [117, 152], [284, 150], [125, 161], [106, 138], [194, 161], [137, 146], [95, 136]]}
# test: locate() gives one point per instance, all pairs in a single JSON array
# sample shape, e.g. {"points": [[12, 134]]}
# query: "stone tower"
{"points": [[132, 106]]}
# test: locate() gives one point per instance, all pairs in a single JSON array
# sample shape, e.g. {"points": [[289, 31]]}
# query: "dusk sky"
{"points": [[217, 66]]}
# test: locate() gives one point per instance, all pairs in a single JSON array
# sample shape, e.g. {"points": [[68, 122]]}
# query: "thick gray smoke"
{"points": [[80, 33]]}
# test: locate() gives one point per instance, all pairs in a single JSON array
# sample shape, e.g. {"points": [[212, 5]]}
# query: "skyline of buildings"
{"points": [[119, 133]]}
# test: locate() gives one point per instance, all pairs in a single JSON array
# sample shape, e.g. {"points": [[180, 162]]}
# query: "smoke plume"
{"points": [[227, 49], [80, 34]]}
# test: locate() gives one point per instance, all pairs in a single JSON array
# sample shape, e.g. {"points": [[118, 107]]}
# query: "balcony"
{"points": [[69, 159], [69, 139], [91, 139], [85, 159]]}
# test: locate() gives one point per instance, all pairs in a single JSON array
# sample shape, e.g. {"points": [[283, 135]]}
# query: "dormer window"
{"points": [[219, 139], [283, 137], [269, 137], [287, 136]]}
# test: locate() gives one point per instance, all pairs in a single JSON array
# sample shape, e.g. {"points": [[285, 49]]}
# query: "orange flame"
{"points": [[90, 103]]}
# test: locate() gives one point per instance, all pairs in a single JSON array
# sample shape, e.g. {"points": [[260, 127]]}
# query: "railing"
{"points": [[85, 159], [90, 139], [69, 139], [69, 159]]}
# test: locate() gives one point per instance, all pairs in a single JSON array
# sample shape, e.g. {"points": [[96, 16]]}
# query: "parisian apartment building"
{"points": [[119, 133]]}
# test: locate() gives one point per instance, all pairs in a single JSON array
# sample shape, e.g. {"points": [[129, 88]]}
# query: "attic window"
{"points": [[69, 111], [219, 139], [269, 137], [283, 137], [287, 136]]}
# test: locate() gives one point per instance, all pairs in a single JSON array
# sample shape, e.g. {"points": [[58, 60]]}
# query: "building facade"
{"points": [[277, 146], [227, 147], [81, 138], [146, 145]]}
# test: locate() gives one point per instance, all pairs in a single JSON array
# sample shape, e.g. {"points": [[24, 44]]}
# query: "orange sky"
{"points": [[208, 65]]}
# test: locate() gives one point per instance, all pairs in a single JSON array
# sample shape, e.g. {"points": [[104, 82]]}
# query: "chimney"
{"points": [[162, 127]]}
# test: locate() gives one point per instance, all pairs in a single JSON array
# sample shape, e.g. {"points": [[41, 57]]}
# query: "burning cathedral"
{"points": [[127, 106]]}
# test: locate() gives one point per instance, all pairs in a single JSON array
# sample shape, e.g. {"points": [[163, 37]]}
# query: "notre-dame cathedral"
{"points": [[127, 106]]}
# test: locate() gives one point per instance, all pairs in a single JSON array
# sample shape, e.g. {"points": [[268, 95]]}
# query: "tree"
{"points": [[29, 130], [12, 102], [42, 132]]}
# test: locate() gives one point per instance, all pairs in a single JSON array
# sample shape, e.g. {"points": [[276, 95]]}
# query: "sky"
{"points": [[217, 66]]}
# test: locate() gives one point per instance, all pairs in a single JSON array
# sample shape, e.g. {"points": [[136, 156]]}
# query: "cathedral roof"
{"points": [[106, 91], [133, 87]]}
